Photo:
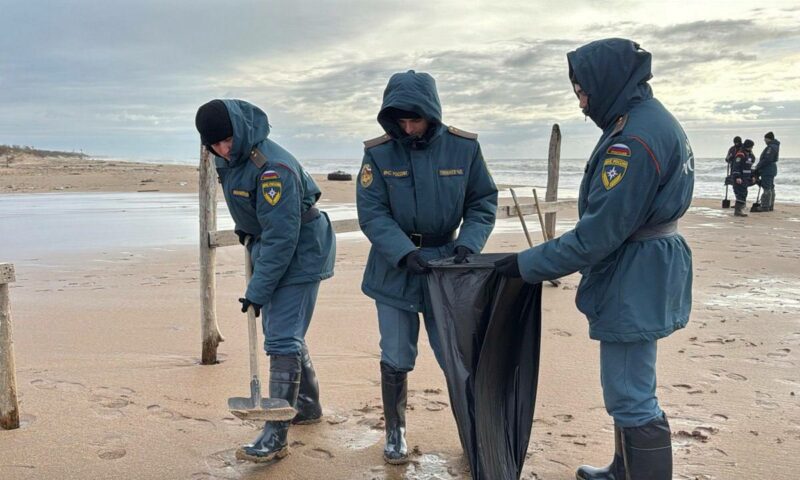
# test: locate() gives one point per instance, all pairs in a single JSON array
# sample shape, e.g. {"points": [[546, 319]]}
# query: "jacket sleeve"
{"points": [[620, 194], [375, 214], [768, 157], [278, 204], [480, 206]]}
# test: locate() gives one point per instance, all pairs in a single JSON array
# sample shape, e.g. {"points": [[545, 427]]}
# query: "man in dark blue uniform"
{"points": [[742, 176], [419, 184], [767, 169], [636, 269], [737, 144], [271, 199]]}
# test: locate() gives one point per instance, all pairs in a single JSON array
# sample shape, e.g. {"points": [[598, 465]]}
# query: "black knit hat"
{"points": [[748, 143], [397, 114], [770, 135], [213, 122], [737, 140]]}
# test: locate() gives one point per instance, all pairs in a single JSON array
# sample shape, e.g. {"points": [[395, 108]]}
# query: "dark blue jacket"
{"points": [[430, 186], [638, 179], [743, 166], [267, 192], [768, 161]]}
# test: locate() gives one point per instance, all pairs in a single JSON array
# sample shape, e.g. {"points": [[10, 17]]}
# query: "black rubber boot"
{"points": [[613, 471], [284, 382], [738, 210], [648, 451], [394, 390], [309, 410]]}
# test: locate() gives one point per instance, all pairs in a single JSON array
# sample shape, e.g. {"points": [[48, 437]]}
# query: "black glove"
{"points": [[508, 267], [416, 263], [461, 253], [242, 236], [247, 303]]}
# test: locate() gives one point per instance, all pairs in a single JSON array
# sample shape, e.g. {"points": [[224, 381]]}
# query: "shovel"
{"points": [[727, 203], [254, 407], [757, 204]]}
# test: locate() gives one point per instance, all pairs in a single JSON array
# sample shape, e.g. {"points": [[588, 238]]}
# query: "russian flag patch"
{"points": [[619, 149], [269, 175]]}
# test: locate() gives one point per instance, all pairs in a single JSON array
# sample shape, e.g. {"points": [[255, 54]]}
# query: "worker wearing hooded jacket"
{"points": [[636, 269], [767, 168], [418, 184], [271, 199]]}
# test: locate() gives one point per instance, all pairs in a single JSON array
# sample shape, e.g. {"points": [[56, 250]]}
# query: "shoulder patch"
{"points": [[365, 176], [462, 133], [619, 149], [620, 125], [271, 186], [258, 158], [612, 172], [377, 141]]}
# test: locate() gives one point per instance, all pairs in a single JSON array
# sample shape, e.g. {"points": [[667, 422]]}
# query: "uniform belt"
{"points": [[652, 232], [422, 240], [309, 215]]}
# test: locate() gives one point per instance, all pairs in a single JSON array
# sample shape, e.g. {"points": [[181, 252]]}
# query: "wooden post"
{"points": [[208, 258], [551, 195], [9, 406]]}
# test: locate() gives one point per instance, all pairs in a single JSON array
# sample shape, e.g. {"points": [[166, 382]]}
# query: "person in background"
{"points": [[767, 169], [272, 201], [742, 176], [419, 184], [636, 285], [737, 144]]}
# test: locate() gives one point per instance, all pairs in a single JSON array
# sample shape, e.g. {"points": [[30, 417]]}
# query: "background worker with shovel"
{"points": [[271, 199]]}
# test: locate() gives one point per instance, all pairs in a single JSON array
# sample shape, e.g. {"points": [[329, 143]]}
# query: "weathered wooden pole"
{"points": [[9, 406], [208, 258], [551, 195]]}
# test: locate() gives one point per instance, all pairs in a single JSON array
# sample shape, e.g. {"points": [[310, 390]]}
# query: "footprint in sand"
{"points": [[165, 413], [111, 447], [564, 417], [559, 332], [767, 405], [781, 352], [318, 453], [61, 385]]}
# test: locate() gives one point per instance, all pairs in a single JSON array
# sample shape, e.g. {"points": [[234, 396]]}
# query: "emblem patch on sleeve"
{"points": [[271, 187], [366, 175], [619, 149], [612, 172]]}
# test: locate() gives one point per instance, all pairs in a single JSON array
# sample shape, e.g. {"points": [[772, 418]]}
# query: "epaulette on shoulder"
{"points": [[462, 133], [621, 121], [377, 141], [258, 158]]}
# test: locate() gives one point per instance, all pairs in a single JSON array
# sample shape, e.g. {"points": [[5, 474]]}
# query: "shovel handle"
{"points": [[252, 331]]}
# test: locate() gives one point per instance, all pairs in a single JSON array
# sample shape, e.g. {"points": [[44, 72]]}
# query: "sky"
{"points": [[123, 79]]}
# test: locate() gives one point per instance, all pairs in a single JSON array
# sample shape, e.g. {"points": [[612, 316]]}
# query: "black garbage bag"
{"points": [[490, 329]]}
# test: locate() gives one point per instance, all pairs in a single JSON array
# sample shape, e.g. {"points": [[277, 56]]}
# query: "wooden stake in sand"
{"points": [[551, 195], [208, 258], [9, 406]]}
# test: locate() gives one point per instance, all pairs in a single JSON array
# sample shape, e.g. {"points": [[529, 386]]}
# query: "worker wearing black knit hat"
{"points": [[272, 201]]}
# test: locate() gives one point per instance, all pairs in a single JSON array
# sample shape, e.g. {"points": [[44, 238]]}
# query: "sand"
{"points": [[108, 343]]}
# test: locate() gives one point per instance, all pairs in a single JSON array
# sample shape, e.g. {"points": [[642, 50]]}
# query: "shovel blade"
{"points": [[726, 204], [267, 410]]}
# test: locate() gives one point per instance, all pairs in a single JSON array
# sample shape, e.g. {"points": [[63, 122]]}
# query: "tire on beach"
{"points": [[340, 175]]}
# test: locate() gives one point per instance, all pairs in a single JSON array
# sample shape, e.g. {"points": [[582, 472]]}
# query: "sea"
{"points": [[709, 175], [46, 228]]}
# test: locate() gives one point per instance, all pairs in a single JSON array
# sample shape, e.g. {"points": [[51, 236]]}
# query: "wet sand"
{"points": [[108, 342]]}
